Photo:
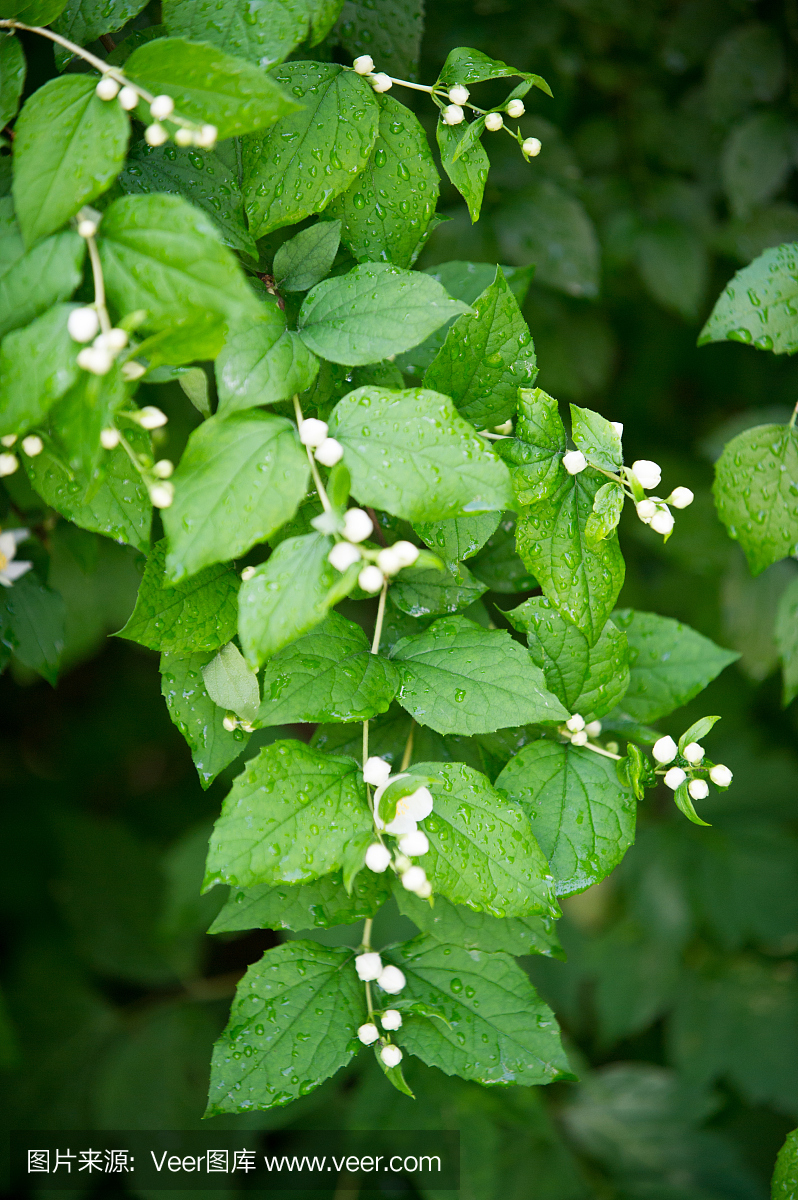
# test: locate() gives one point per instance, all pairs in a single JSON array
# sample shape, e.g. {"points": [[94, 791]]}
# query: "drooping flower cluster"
{"points": [[412, 842], [390, 979], [689, 765], [378, 564], [114, 86]]}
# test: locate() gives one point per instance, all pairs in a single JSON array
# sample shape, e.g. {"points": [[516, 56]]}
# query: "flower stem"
{"points": [[375, 645], [314, 470], [99, 282], [408, 754]]}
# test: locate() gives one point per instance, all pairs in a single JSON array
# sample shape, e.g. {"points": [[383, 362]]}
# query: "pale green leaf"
{"points": [[607, 509], [597, 438], [37, 366], [464, 65], [498, 565], [316, 905], [196, 716], [231, 684], [760, 305], [262, 362], [756, 493], [305, 259]]}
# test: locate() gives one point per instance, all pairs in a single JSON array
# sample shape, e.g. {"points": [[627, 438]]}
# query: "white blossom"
{"points": [[515, 108], [114, 339], [665, 750], [184, 137], [230, 722], [368, 1033], [494, 121], [579, 738], [95, 360], [133, 370], [162, 494], [575, 723], [8, 464], [453, 115], [646, 509], [458, 94], [381, 82], [681, 497], [593, 729], [376, 771], [107, 88], [414, 844], [390, 978], [698, 789], [618, 427], [82, 324], [110, 438], [206, 136], [164, 468], [312, 432], [363, 64], [11, 569], [156, 135], [378, 858], [368, 966], [574, 461], [247, 573], [721, 775], [162, 107], [150, 417], [406, 552], [128, 98], [414, 878], [391, 1019], [358, 525], [662, 521], [329, 452], [389, 561], [532, 146], [87, 228], [648, 473], [391, 1055], [343, 555], [416, 806], [693, 752], [370, 579], [32, 445]]}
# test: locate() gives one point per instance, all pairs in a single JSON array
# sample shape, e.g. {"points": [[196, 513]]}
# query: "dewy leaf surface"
{"points": [[84, 21], [264, 32], [429, 463], [196, 716], [292, 1025], [581, 815], [670, 663], [468, 172], [756, 493], [459, 925], [327, 675], [497, 1029], [460, 678], [12, 76], [305, 259], [312, 155], [199, 614], [316, 905], [482, 850], [240, 478], [759, 306], [262, 362], [431, 592], [47, 274], [459, 537], [351, 318], [391, 32], [37, 366], [486, 358], [288, 818]]}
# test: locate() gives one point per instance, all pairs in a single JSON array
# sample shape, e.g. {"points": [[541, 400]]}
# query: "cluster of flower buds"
{"points": [[161, 109], [379, 564], [689, 765], [364, 65], [577, 732], [32, 445], [83, 325], [370, 969], [155, 475], [230, 721], [412, 841], [315, 435], [652, 510]]}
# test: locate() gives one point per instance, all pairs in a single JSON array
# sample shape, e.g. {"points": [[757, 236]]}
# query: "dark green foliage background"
{"points": [[679, 997]]}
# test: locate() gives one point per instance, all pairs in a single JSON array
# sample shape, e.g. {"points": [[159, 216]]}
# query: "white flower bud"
{"points": [[693, 753], [184, 137], [363, 64], [579, 738], [312, 432], [162, 494], [96, 360], [648, 473], [357, 525], [662, 521], [720, 775], [674, 778], [368, 1033], [376, 771], [329, 452], [133, 370], [414, 877], [343, 555], [532, 146], [593, 729], [128, 98], [378, 858], [425, 891], [646, 509], [381, 82], [453, 115], [114, 339], [515, 108], [391, 979], [162, 107], [391, 1019], [505, 428], [110, 438], [494, 121], [8, 439], [368, 966], [155, 135], [163, 468], [406, 552], [206, 136], [574, 461], [151, 417], [32, 445], [247, 573], [459, 94], [371, 579], [681, 497], [8, 464], [107, 88], [575, 723], [391, 1056], [664, 750], [414, 844], [698, 789], [230, 723], [389, 562], [87, 228], [416, 806]]}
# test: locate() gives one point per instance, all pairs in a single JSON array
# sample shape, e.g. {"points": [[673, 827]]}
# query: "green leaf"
{"points": [[240, 478], [756, 493], [33, 628], [114, 501], [432, 465], [78, 419], [316, 905], [37, 366], [297, 1011], [674, 262], [47, 274], [670, 663], [288, 595], [697, 731], [161, 255], [581, 814], [34, 12], [193, 383], [468, 172], [199, 614], [430, 592], [497, 563], [486, 357], [497, 1029], [636, 770], [459, 678], [351, 318], [757, 158], [582, 580], [84, 21], [199, 176], [69, 146], [287, 818], [231, 684], [549, 227], [464, 65], [262, 362], [196, 716], [387, 209], [264, 32], [785, 1176], [208, 85], [12, 76], [462, 926], [759, 306], [482, 850], [786, 633], [607, 509], [587, 680], [391, 32], [285, 180], [305, 259], [459, 537], [597, 438], [327, 675], [684, 803]]}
